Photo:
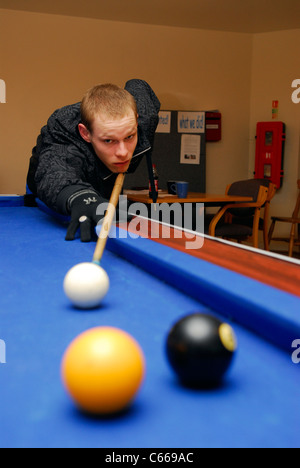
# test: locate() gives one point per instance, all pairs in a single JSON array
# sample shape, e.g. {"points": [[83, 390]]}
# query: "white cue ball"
{"points": [[86, 284]]}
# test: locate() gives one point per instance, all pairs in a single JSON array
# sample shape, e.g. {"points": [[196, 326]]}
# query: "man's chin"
{"points": [[117, 169]]}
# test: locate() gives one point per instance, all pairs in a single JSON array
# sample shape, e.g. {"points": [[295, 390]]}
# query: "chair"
{"points": [[222, 225], [263, 221], [294, 221]]}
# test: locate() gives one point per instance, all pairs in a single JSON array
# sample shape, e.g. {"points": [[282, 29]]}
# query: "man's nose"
{"points": [[122, 150]]}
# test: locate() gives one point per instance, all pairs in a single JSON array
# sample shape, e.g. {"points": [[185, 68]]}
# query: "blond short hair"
{"points": [[106, 99]]}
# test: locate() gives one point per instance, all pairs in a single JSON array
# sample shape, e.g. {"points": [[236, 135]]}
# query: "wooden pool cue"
{"points": [[154, 194], [108, 219]]}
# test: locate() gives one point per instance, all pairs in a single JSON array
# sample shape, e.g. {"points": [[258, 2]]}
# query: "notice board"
{"points": [[179, 152]]}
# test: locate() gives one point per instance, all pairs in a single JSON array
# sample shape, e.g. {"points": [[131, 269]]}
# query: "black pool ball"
{"points": [[200, 349]]}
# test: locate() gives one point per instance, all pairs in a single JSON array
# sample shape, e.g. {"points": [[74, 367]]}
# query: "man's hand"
{"points": [[83, 206]]}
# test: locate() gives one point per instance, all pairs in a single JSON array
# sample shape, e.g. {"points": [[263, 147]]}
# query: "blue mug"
{"points": [[182, 189]]}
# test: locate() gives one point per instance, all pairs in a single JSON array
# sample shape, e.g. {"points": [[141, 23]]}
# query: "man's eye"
{"points": [[108, 141]]}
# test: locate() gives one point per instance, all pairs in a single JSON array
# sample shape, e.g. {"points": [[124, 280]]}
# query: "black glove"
{"points": [[83, 207]]}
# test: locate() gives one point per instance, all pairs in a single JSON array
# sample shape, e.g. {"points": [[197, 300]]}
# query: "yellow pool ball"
{"points": [[102, 370]]}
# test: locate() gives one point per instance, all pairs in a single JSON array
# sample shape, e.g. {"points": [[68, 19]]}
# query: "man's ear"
{"points": [[84, 133]]}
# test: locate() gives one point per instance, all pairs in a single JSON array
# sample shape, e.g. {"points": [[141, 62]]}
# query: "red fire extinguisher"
{"points": [[269, 154]]}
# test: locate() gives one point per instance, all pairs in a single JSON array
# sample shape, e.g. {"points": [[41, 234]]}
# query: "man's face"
{"points": [[114, 141]]}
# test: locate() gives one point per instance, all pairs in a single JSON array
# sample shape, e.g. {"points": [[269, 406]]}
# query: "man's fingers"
{"points": [[72, 229], [85, 229]]}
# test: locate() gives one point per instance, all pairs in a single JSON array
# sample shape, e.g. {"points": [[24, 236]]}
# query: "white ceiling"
{"points": [[249, 16]]}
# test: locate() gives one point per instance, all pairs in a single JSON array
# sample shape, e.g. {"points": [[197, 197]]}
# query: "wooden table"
{"points": [[193, 197]]}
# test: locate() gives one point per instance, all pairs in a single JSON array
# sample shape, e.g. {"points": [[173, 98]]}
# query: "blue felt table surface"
{"points": [[258, 405]]}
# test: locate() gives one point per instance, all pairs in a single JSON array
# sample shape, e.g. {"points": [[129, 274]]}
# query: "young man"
{"points": [[84, 146]]}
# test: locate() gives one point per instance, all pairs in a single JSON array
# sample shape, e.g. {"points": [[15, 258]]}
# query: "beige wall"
{"points": [[48, 61], [275, 66]]}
